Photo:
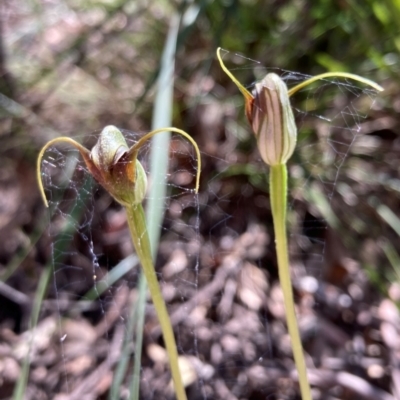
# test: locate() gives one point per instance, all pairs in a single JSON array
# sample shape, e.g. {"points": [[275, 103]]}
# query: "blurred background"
{"points": [[69, 68]]}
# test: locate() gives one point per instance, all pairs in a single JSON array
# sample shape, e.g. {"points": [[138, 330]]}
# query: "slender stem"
{"points": [[345, 75], [84, 152], [278, 196], [142, 289], [138, 230], [247, 95]]}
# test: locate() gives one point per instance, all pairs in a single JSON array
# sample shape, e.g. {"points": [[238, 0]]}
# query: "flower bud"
{"points": [[124, 178], [270, 115], [114, 165], [272, 120]]}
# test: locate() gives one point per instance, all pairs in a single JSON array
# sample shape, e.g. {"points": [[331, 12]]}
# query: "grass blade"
{"points": [[162, 116]]}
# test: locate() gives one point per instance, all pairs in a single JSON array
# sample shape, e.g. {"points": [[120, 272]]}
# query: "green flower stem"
{"points": [[278, 198], [138, 229]]}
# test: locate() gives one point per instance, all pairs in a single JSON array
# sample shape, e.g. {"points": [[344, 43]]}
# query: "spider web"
{"points": [[216, 275]]}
